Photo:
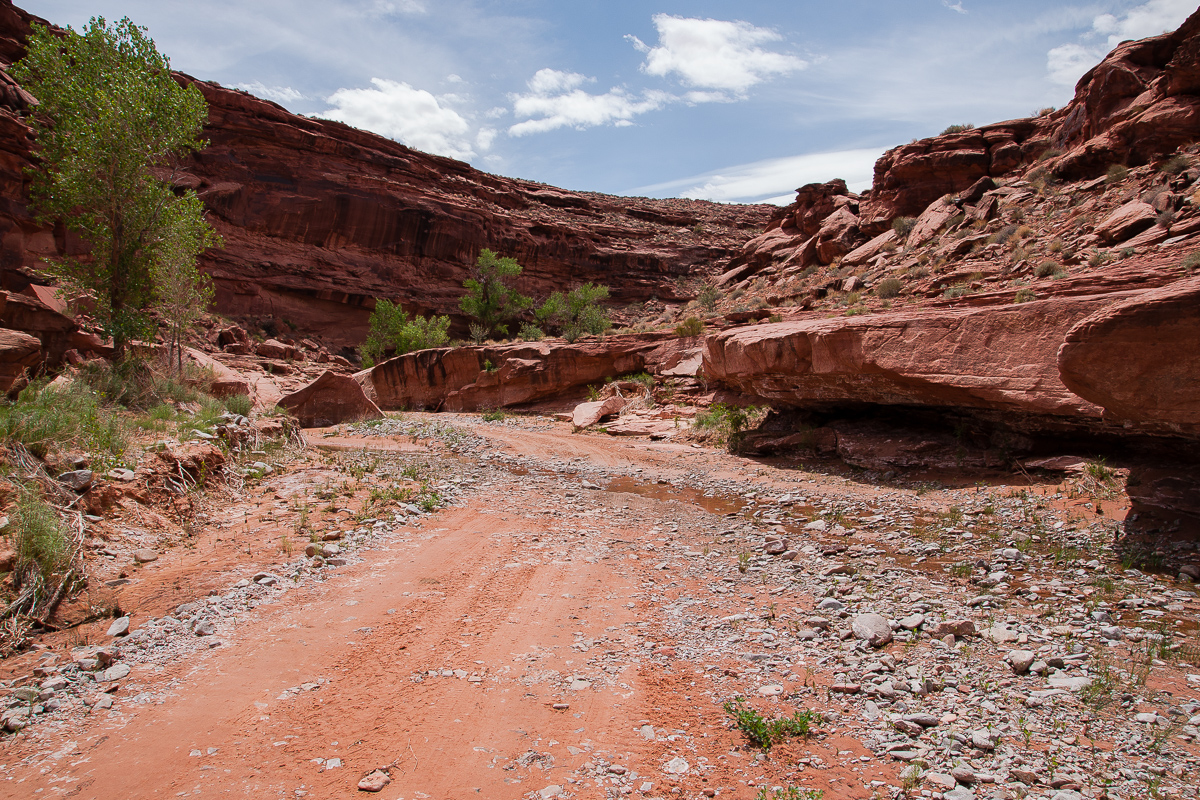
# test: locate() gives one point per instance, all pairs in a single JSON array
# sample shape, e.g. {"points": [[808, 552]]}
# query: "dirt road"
{"points": [[543, 637]]}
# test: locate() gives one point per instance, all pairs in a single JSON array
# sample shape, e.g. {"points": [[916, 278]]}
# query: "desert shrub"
{"points": [[489, 298], [1045, 112], [43, 418], [692, 326], [1024, 295], [41, 543], [765, 733], [530, 332], [1116, 173], [1056, 245], [1191, 261], [1174, 165], [903, 225], [1098, 258], [575, 313], [494, 415], [392, 332], [1165, 217], [957, 129], [888, 288], [1003, 235], [1048, 269], [708, 297], [728, 422]]}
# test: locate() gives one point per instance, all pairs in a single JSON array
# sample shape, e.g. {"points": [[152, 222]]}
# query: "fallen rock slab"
{"points": [[330, 400], [586, 415]]}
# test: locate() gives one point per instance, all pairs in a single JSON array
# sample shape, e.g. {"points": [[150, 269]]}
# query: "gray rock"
{"points": [[912, 622], [79, 480], [874, 629], [121, 474], [330, 550], [1067, 794], [119, 627], [961, 793], [114, 673], [924, 720], [905, 726], [963, 774], [145, 556], [940, 781], [1020, 660], [1112, 632], [1071, 684], [985, 739], [831, 604], [205, 628]]}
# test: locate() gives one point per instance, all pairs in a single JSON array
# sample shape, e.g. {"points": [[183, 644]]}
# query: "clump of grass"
{"points": [[1049, 268], [493, 415], [1191, 261], [530, 332], [903, 226], [888, 288], [1024, 295], [41, 543], [1003, 235], [729, 422], [692, 326], [47, 417], [765, 733], [1174, 165], [238, 404], [789, 793], [1117, 173], [957, 129]]}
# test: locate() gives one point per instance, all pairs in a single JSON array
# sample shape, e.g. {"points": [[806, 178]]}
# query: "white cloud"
{"points": [[714, 54], [774, 180], [1066, 63], [1148, 19], [278, 94], [556, 101], [398, 111], [485, 137], [388, 8], [954, 6]]}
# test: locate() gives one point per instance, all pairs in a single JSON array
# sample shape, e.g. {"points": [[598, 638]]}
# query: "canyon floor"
{"points": [[570, 613]]}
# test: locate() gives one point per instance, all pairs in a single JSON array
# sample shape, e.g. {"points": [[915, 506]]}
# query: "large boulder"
{"points": [[19, 353], [1000, 358], [586, 415], [1126, 221], [330, 400], [1140, 359], [473, 378]]}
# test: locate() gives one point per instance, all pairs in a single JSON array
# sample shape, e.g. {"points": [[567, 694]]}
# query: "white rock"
{"points": [[676, 766]]}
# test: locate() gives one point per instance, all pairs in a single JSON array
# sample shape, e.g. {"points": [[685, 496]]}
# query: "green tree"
{"points": [[575, 313], [489, 298], [392, 331], [110, 123], [182, 291]]}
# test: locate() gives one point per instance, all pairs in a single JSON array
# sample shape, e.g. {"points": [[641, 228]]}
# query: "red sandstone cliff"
{"points": [[320, 218]]}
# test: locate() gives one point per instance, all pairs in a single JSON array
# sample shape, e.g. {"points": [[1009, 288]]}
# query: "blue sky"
{"points": [[731, 101]]}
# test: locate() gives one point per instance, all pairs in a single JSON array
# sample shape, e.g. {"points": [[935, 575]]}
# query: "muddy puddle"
{"points": [[712, 503]]}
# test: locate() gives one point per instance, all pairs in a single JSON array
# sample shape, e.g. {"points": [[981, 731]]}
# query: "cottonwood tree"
{"points": [[182, 292], [110, 126], [489, 298]]}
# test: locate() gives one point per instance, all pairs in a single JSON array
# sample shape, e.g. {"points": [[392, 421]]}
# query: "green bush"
{"points": [[575, 313], [708, 297], [44, 417], [41, 543], [531, 333], [494, 415], [766, 733], [239, 404], [957, 129], [138, 384], [730, 422], [888, 288], [391, 331], [692, 326]]}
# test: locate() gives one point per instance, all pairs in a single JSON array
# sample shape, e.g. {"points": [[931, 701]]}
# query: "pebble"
{"points": [[874, 629], [119, 627]]}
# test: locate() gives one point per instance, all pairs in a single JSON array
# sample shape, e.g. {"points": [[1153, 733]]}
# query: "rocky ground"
{"points": [[439, 606]]}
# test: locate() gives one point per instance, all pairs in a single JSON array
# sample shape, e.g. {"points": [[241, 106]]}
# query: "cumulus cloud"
{"points": [[774, 180], [713, 54], [1066, 63], [556, 100], [411, 116], [278, 94]]}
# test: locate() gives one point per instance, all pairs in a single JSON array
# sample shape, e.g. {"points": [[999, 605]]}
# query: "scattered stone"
{"points": [[119, 627], [145, 556], [676, 766], [114, 673], [872, 628], [1020, 660], [374, 781], [79, 480]]}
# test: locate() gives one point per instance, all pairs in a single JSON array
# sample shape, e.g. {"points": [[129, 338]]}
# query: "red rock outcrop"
{"points": [[19, 354], [319, 219], [1140, 359], [474, 378], [330, 400], [998, 358]]}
